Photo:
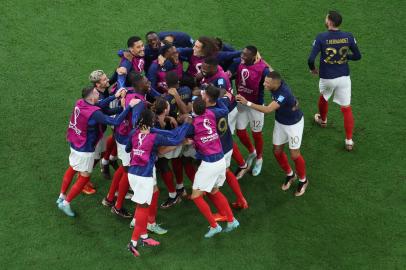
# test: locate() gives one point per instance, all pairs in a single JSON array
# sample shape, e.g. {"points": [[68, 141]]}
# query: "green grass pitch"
{"points": [[353, 215]]}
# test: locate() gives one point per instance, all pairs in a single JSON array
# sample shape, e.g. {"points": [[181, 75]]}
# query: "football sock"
{"points": [[115, 182], [67, 179], [77, 187], [141, 215], [122, 190], [259, 143], [323, 108], [168, 180], [237, 156], [190, 170], [282, 159], [105, 161], [204, 208], [348, 121], [109, 147], [153, 208], [245, 140], [179, 186], [177, 167], [216, 203], [234, 185], [300, 167], [222, 202]]}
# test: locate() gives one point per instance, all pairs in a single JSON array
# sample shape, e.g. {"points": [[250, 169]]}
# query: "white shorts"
{"points": [[248, 115], [232, 120], [174, 153], [189, 151], [288, 133], [81, 161], [100, 147], [227, 157], [143, 187], [341, 87], [210, 175], [123, 155]]}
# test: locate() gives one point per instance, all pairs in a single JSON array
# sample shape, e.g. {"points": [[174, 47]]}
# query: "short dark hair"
{"points": [[335, 17], [165, 48], [146, 119], [87, 91], [274, 75], [172, 79], [252, 49], [149, 33], [199, 106], [132, 40], [160, 105], [209, 47], [211, 61], [212, 92], [188, 81], [134, 77], [219, 43]]}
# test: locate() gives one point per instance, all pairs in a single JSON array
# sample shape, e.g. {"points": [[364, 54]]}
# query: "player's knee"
{"points": [[195, 194], [214, 190], [156, 188], [277, 149], [85, 174], [294, 153]]}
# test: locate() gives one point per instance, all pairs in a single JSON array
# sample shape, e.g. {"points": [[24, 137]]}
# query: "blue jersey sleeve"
{"points": [[136, 111], [105, 102], [129, 145], [356, 54], [316, 48], [101, 118], [234, 66], [121, 78], [176, 137], [227, 55], [185, 53], [152, 74], [221, 109]]}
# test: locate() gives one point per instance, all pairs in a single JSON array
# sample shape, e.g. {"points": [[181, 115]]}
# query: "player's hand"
{"points": [[161, 60], [182, 117], [229, 95], [121, 92], [241, 99], [188, 119], [128, 55], [134, 102], [315, 72], [172, 121], [173, 92], [121, 71], [199, 76]]}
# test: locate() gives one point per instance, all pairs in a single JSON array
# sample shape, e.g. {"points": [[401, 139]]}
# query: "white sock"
{"points": [[104, 162], [144, 236], [179, 186], [259, 161], [113, 158], [152, 224], [290, 174], [302, 180], [65, 202], [62, 196], [172, 195], [134, 243]]}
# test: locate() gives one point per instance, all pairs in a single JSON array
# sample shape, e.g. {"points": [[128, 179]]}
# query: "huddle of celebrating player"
{"points": [[167, 120]]}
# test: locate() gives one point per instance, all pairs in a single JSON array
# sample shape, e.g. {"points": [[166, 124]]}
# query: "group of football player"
{"points": [[167, 121]]}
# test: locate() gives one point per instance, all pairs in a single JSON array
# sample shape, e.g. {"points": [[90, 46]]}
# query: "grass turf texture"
{"points": [[351, 217]]}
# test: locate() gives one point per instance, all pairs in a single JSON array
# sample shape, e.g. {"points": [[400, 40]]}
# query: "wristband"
{"points": [[249, 103]]}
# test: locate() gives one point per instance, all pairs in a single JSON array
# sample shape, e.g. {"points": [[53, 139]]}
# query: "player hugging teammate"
{"points": [[167, 121]]}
